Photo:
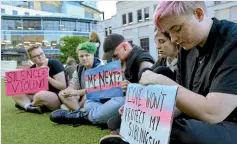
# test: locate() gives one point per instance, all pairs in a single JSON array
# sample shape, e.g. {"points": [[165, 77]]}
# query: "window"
{"points": [[51, 25], [2, 10], [26, 13], [31, 25], [11, 25], [83, 26], [89, 15], [146, 13], [217, 2], [14, 12], [130, 41], [139, 15], [68, 26], [155, 7], [124, 19], [144, 43], [130, 20], [106, 32], [110, 30]]}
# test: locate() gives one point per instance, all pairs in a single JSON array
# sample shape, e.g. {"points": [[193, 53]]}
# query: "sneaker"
{"points": [[112, 139], [114, 122], [34, 109], [19, 107], [67, 117]]}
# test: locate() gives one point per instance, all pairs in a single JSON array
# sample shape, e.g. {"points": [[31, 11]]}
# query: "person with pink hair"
{"points": [[206, 76]]}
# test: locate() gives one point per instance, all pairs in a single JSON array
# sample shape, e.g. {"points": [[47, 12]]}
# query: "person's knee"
{"points": [[186, 131]]}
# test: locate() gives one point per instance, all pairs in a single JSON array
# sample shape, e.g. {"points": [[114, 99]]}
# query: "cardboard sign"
{"points": [[26, 81], [104, 81], [147, 114]]}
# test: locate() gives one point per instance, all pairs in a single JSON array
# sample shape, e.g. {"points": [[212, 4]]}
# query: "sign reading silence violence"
{"points": [[104, 81], [147, 115], [26, 81]]}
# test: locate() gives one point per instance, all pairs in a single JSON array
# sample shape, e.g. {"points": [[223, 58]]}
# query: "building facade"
{"points": [[23, 26], [134, 20]]}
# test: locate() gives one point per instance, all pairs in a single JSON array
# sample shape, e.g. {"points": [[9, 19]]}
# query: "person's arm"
{"points": [[213, 108], [58, 81], [145, 64]]}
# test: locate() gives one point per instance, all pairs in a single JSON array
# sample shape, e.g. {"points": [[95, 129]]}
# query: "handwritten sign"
{"points": [[104, 81], [147, 115], [26, 81]]}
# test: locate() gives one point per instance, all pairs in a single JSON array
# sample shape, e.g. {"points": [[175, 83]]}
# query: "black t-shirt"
{"points": [[134, 60], [55, 67], [212, 68]]}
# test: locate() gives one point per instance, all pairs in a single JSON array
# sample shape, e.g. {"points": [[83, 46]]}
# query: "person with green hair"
{"points": [[95, 111]]}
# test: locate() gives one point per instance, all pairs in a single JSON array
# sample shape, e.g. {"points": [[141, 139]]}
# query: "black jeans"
{"points": [[190, 131]]}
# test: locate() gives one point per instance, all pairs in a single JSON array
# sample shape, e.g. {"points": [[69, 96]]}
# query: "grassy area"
{"points": [[19, 127]]}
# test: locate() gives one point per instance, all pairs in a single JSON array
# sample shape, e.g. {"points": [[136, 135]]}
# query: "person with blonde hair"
{"points": [[94, 38], [47, 99]]}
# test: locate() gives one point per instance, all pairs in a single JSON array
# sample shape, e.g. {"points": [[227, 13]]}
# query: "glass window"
{"points": [[146, 13], [2, 10], [50, 41], [31, 25], [26, 13], [110, 30], [139, 15], [89, 15], [83, 26], [155, 7], [124, 19], [51, 25], [68, 26], [14, 12], [94, 27], [11, 25], [30, 39], [144, 43], [11, 41], [217, 2], [130, 20], [53, 7], [106, 32]]}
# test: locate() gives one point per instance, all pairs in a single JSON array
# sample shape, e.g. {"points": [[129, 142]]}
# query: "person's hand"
{"points": [[121, 110], [125, 85], [151, 78], [65, 93], [74, 93]]}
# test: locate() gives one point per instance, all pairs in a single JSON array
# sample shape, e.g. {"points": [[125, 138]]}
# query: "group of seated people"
{"points": [[197, 54]]}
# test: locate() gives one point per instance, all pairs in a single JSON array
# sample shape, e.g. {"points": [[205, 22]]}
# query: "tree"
{"points": [[68, 46]]}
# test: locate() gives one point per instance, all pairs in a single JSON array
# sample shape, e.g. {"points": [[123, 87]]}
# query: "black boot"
{"points": [[67, 117]]}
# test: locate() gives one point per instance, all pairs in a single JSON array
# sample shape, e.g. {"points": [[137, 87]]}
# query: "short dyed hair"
{"points": [[166, 8], [88, 47], [31, 48]]}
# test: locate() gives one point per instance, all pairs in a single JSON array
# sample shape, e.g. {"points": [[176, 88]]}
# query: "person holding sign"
{"points": [[43, 100], [73, 97], [134, 60], [206, 76], [96, 111]]}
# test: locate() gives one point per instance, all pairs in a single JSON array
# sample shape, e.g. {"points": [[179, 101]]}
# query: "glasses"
{"points": [[38, 56]]}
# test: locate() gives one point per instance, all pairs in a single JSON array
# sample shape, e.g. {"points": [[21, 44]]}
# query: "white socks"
{"points": [[26, 105]]}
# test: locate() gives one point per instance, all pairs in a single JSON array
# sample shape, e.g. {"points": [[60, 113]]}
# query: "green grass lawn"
{"points": [[19, 127]]}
